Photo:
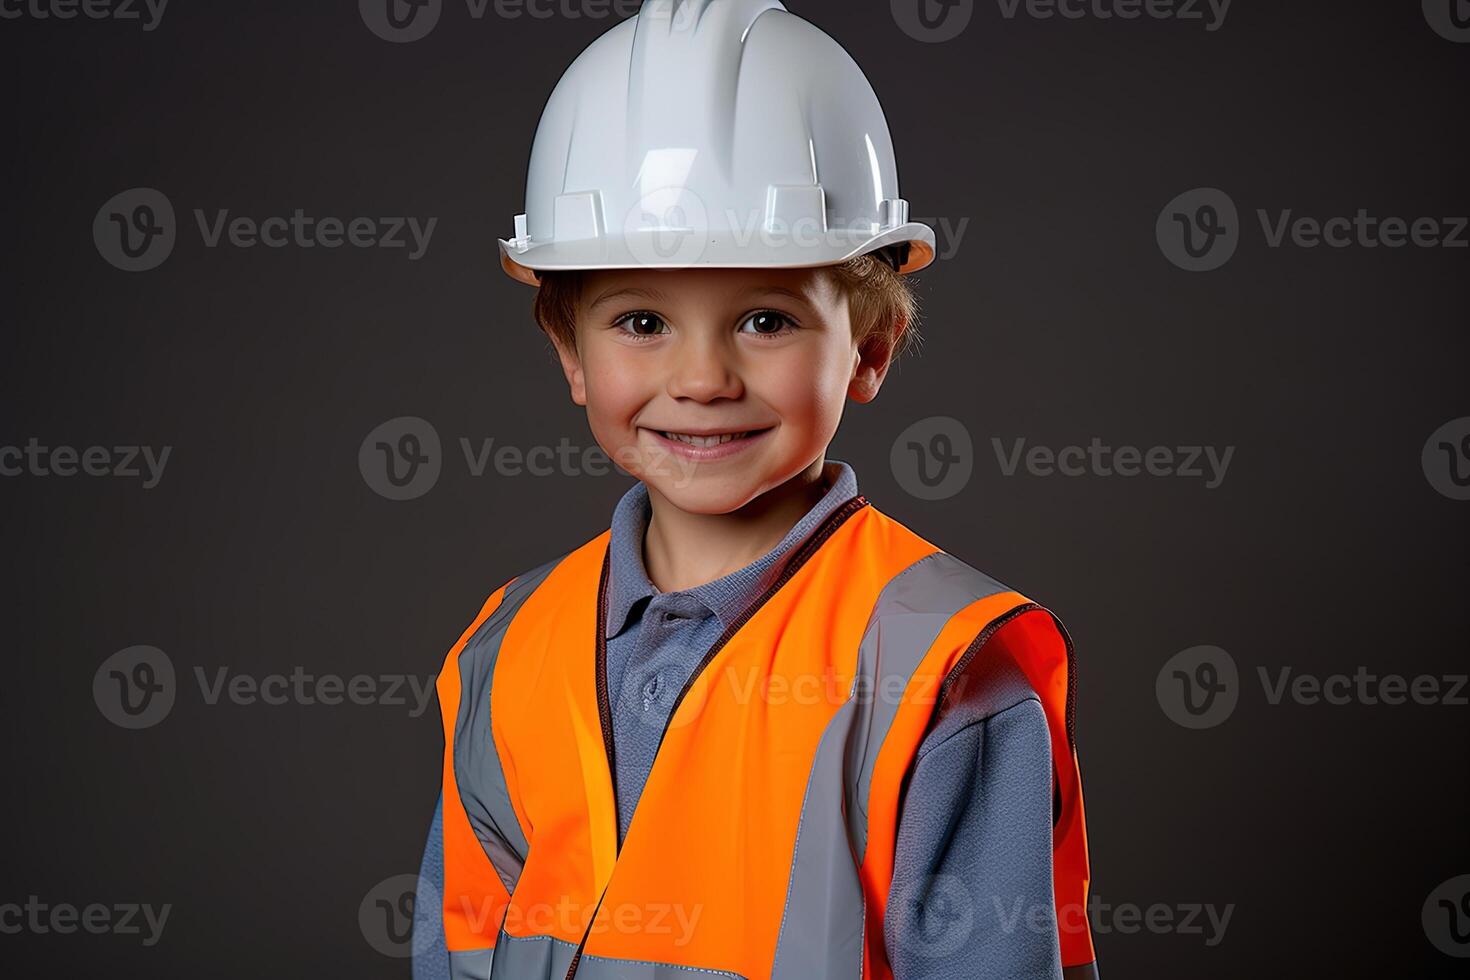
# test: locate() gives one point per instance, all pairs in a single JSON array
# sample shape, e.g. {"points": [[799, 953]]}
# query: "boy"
{"points": [[757, 728]]}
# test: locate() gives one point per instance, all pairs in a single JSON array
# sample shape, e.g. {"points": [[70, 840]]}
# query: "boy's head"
{"points": [[711, 200], [768, 356]]}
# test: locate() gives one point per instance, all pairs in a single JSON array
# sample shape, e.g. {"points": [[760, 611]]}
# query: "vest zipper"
{"points": [[604, 710]]}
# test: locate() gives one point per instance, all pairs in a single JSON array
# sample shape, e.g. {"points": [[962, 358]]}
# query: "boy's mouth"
{"points": [[708, 439]]}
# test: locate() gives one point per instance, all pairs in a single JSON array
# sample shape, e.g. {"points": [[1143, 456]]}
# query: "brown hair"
{"points": [[879, 300]]}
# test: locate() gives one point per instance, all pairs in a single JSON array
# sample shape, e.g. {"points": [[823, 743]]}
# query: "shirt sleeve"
{"points": [[430, 954], [972, 884]]}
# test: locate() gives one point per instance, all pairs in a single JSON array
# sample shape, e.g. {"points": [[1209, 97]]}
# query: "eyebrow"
{"points": [[612, 294], [655, 295]]}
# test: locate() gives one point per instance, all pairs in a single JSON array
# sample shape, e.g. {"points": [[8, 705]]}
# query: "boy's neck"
{"points": [[683, 550]]}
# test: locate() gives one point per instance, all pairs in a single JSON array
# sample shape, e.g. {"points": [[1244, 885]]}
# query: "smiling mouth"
{"points": [[709, 440]]}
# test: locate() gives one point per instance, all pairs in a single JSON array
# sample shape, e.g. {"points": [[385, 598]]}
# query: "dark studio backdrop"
{"points": [[1225, 437]]}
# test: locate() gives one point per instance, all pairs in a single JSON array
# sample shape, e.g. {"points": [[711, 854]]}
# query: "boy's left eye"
{"points": [[767, 323]]}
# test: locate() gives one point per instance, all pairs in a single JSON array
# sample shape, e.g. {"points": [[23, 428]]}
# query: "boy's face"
{"points": [[769, 353]]}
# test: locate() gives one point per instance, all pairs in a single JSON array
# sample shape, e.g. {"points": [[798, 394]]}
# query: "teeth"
{"points": [[703, 440]]}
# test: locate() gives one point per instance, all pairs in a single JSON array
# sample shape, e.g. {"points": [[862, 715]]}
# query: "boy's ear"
{"points": [[874, 357], [571, 366]]}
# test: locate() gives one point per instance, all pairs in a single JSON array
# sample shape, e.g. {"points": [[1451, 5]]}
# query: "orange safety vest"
{"points": [[763, 842]]}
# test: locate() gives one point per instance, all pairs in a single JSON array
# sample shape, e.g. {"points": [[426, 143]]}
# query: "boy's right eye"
{"points": [[641, 323]]}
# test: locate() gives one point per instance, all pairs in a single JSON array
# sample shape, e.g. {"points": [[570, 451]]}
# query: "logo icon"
{"points": [[1446, 917], [134, 688], [392, 916], [665, 228], [1199, 687], [1449, 18], [1198, 230], [401, 459], [932, 21], [933, 458], [1446, 459], [400, 21], [134, 230], [943, 910]]}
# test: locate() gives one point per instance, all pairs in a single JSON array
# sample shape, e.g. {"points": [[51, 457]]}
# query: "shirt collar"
{"points": [[728, 595]]}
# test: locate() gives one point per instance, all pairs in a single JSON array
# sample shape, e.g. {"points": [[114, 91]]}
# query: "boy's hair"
{"points": [[879, 299]]}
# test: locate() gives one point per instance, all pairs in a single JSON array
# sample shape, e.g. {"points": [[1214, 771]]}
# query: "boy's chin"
{"points": [[705, 493]]}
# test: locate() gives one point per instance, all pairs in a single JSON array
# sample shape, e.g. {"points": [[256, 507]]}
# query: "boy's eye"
{"points": [[641, 324], [768, 323], [764, 323]]}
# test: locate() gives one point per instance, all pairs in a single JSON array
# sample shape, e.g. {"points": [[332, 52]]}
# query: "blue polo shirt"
{"points": [[973, 856]]}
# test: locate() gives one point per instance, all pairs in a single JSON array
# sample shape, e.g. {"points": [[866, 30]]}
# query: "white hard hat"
{"points": [[716, 134]]}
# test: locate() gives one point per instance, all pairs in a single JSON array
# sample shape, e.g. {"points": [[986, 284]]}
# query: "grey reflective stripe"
{"points": [[548, 958], [477, 769], [821, 934], [1087, 971], [470, 965], [908, 617], [531, 958]]}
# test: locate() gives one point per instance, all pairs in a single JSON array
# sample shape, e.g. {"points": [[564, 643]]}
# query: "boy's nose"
{"points": [[701, 370]]}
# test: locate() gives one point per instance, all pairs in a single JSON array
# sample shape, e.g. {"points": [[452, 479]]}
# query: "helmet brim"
{"points": [[665, 250]]}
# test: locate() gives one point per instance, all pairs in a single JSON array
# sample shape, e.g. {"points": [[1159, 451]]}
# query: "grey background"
{"points": [[263, 548]]}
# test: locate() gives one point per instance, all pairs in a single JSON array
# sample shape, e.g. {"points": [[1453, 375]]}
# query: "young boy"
{"points": [[757, 728]]}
